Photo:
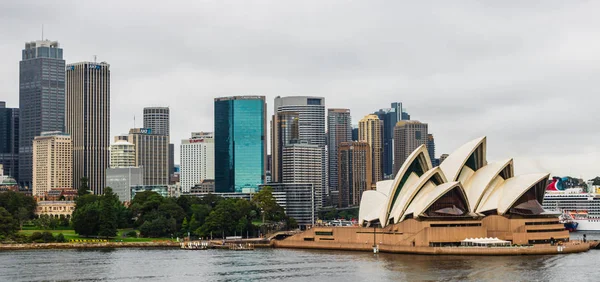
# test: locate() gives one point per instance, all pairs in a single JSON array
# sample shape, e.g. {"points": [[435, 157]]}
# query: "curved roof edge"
{"points": [[427, 200], [515, 187], [453, 164], [408, 194], [480, 182], [371, 204]]}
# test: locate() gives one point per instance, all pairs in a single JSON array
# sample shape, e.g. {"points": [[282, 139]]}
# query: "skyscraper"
{"points": [[9, 140], [151, 154], [41, 99], [284, 130], [88, 121], [157, 119], [197, 160], [311, 126], [53, 162], [355, 173], [240, 143], [303, 163], [339, 129], [390, 116], [370, 130], [431, 149], [408, 136]]}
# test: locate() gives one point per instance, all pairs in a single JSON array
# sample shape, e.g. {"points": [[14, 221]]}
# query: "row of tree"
{"points": [[15, 209], [157, 216]]}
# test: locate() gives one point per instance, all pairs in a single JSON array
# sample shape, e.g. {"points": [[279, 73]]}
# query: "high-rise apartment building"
{"points": [[339, 129], [408, 136], [390, 116], [303, 163], [285, 131], [9, 140], [53, 162], [197, 160], [88, 121], [355, 175], [41, 99], [240, 143], [122, 154], [370, 130], [311, 126], [151, 154]]}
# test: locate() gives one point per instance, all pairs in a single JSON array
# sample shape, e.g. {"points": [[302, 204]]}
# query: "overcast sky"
{"points": [[524, 73]]}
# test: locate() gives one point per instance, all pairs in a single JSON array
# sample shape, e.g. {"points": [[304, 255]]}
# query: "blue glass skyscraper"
{"points": [[41, 99], [240, 143]]}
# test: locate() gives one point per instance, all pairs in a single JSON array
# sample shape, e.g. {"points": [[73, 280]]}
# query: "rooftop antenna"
{"points": [[42, 32], [94, 58], [133, 121]]}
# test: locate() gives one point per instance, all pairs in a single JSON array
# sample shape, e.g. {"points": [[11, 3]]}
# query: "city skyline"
{"points": [[530, 98]]}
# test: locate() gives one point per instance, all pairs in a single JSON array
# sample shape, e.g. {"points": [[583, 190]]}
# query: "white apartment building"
{"points": [[197, 160]]}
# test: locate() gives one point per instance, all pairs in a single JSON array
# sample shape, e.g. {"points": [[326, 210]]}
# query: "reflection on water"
{"points": [[288, 265]]}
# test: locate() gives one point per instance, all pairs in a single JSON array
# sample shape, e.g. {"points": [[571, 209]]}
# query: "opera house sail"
{"points": [[464, 198]]}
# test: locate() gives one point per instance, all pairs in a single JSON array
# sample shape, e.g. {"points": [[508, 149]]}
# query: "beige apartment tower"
{"points": [[370, 130], [122, 154], [53, 162], [151, 153], [87, 120], [408, 136], [354, 172]]}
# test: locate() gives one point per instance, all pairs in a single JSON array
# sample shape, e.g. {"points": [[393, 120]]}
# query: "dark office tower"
{"points": [[339, 129], [311, 125], [431, 148], [390, 116], [284, 131], [408, 136], [88, 121], [355, 173], [157, 119], [41, 99], [240, 143], [9, 140], [355, 133]]}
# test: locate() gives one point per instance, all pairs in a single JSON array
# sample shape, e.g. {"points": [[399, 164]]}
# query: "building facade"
{"points": [[431, 149], [9, 140], [206, 186], [284, 131], [197, 160], [162, 190], [303, 163], [151, 154], [370, 130], [408, 136], [88, 121], [41, 99], [122, 154], [355, 172], [240, 143], [339, 130], [157, 119], [122, 179], [297, 200], [311, 126], [390, 116], [53, 162]]}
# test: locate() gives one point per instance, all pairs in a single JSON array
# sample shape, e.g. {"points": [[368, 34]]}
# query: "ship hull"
{"points": [[587, 224]]}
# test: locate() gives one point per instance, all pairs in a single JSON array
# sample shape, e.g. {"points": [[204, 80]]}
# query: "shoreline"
{"points": [[88, 245]]}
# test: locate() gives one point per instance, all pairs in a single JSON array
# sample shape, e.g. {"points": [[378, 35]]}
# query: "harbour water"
{"points": [[287, 265]]}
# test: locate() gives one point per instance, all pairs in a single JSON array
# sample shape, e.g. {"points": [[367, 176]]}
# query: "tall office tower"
{"points": [[390, 116], [311, 125], [284, 131], [41, 99], [151, 153], [240, 143], [157, 119], [88, 121], [431, 148], [408, 136], [370, 130], [339, 129], [53, 162], [303, 163], [355, 173], [355, 133], [171, 162], [9, 140], [197, 160], [122, 154]]}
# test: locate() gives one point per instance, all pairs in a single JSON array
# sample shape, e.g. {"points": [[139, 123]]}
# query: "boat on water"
{"points": [[580, 210]]}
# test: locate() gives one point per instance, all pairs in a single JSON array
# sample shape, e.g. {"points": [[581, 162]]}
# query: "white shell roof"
{"points": [[453, 164], [480, 181], [384, 186], [409, 192], [425, 200], [504, 196], [371, 204]]}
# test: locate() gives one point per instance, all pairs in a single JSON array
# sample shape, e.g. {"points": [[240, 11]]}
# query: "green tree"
{"points": [[60, 238], [13, 202], [85, 219], [8, 225], [84, 188], [269, 208], [22, 215], [108, 220], [596, 181]]}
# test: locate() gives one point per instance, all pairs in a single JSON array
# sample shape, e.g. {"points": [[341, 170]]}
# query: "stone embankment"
{"points": [[101, 245]]}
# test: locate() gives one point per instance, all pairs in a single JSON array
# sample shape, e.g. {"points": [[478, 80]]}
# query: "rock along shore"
{"points": [[88, 245]]}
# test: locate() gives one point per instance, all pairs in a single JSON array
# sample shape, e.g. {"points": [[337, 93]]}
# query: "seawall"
{"points": [[101, 245]]}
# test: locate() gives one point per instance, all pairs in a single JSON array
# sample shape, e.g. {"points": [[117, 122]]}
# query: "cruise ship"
{"points": [[580, 210]]}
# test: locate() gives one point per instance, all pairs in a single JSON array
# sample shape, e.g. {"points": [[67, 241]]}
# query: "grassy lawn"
{"points": [[71, 235]]}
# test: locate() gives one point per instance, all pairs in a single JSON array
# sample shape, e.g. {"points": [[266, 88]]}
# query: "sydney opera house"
{"points": [[425, 208]]}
